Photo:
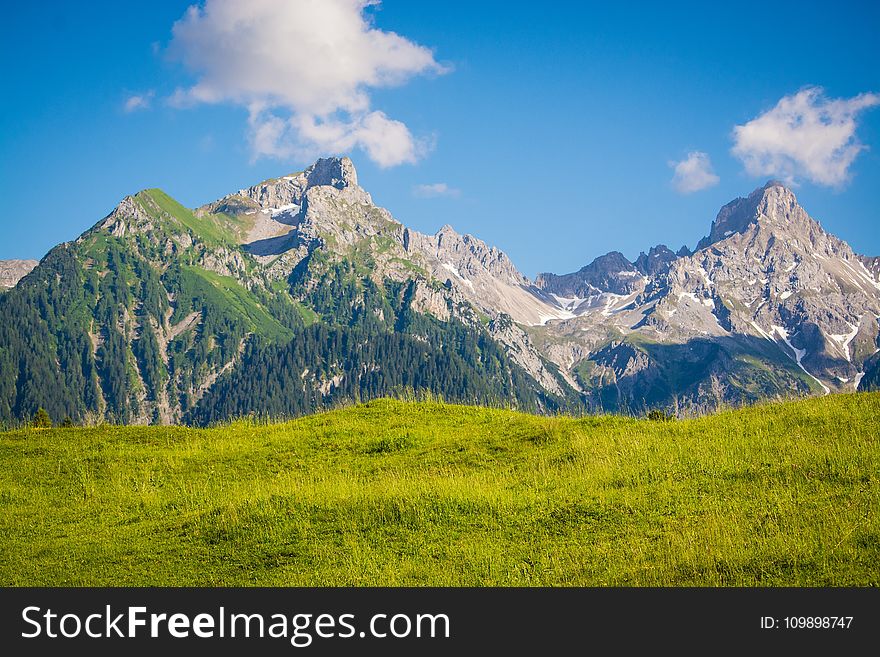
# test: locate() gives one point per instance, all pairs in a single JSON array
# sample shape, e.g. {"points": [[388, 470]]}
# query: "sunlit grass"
{"points": [[426, 493]]}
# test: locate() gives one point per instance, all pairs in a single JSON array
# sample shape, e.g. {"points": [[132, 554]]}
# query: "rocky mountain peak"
{"points": [[289, 191], [338, 172], [447, 234], [471, 255], [480, 273], [656, 260], [611, 261], [611, 272], [773, 204]]}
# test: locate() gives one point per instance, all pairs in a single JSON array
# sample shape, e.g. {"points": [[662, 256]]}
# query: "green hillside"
{"points": [[404, 493], [156, 315]]}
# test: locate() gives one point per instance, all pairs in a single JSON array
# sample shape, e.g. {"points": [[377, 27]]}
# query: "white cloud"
{"points": [[435, 190], [806, 135], [304, 70], [137, 102], [693, 173]]}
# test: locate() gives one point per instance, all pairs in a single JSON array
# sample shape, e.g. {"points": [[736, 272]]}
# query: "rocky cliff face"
{"points": [[12, 271], [872, 265], [286, 191], [523, 352], [483, 275]]}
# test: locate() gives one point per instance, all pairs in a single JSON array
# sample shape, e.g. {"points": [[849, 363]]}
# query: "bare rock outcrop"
{"points": [[12, 271]]}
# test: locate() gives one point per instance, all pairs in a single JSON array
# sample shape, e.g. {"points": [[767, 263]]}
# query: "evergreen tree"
{"points": [[41, 419]]}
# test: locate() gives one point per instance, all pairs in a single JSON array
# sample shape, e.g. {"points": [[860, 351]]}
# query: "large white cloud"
{"points": [[693, 173], [304, 70], [806, 135]]}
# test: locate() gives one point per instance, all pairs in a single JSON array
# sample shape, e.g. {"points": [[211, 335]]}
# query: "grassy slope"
{"points": [[396, 493], [213, 229], [226, 292]]}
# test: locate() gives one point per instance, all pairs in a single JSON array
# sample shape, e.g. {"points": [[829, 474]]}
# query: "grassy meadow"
{"points": [[425, 493]]}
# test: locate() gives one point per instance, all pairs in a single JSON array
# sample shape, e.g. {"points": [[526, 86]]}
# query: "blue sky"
{"points": [[549, 131]]}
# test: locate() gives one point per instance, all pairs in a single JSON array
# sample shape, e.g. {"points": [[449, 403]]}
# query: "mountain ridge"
{"points": [[176, 302]]}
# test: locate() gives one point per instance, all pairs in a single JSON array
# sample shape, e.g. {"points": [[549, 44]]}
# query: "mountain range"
{"points": [[299, 293]]}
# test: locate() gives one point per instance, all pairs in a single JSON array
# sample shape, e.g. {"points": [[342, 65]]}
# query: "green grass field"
{"points": [[405, 493]]}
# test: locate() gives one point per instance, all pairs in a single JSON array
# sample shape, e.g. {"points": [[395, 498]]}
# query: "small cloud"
{"points": [[436, 190], [137, 102], [693, 173], [806, 135], [304, 71]]}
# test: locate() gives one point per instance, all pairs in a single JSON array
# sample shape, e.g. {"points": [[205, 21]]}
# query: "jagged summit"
{"points": [[656, 260], [773, 201], [289, 190], [611, 272], [335, 172]]}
